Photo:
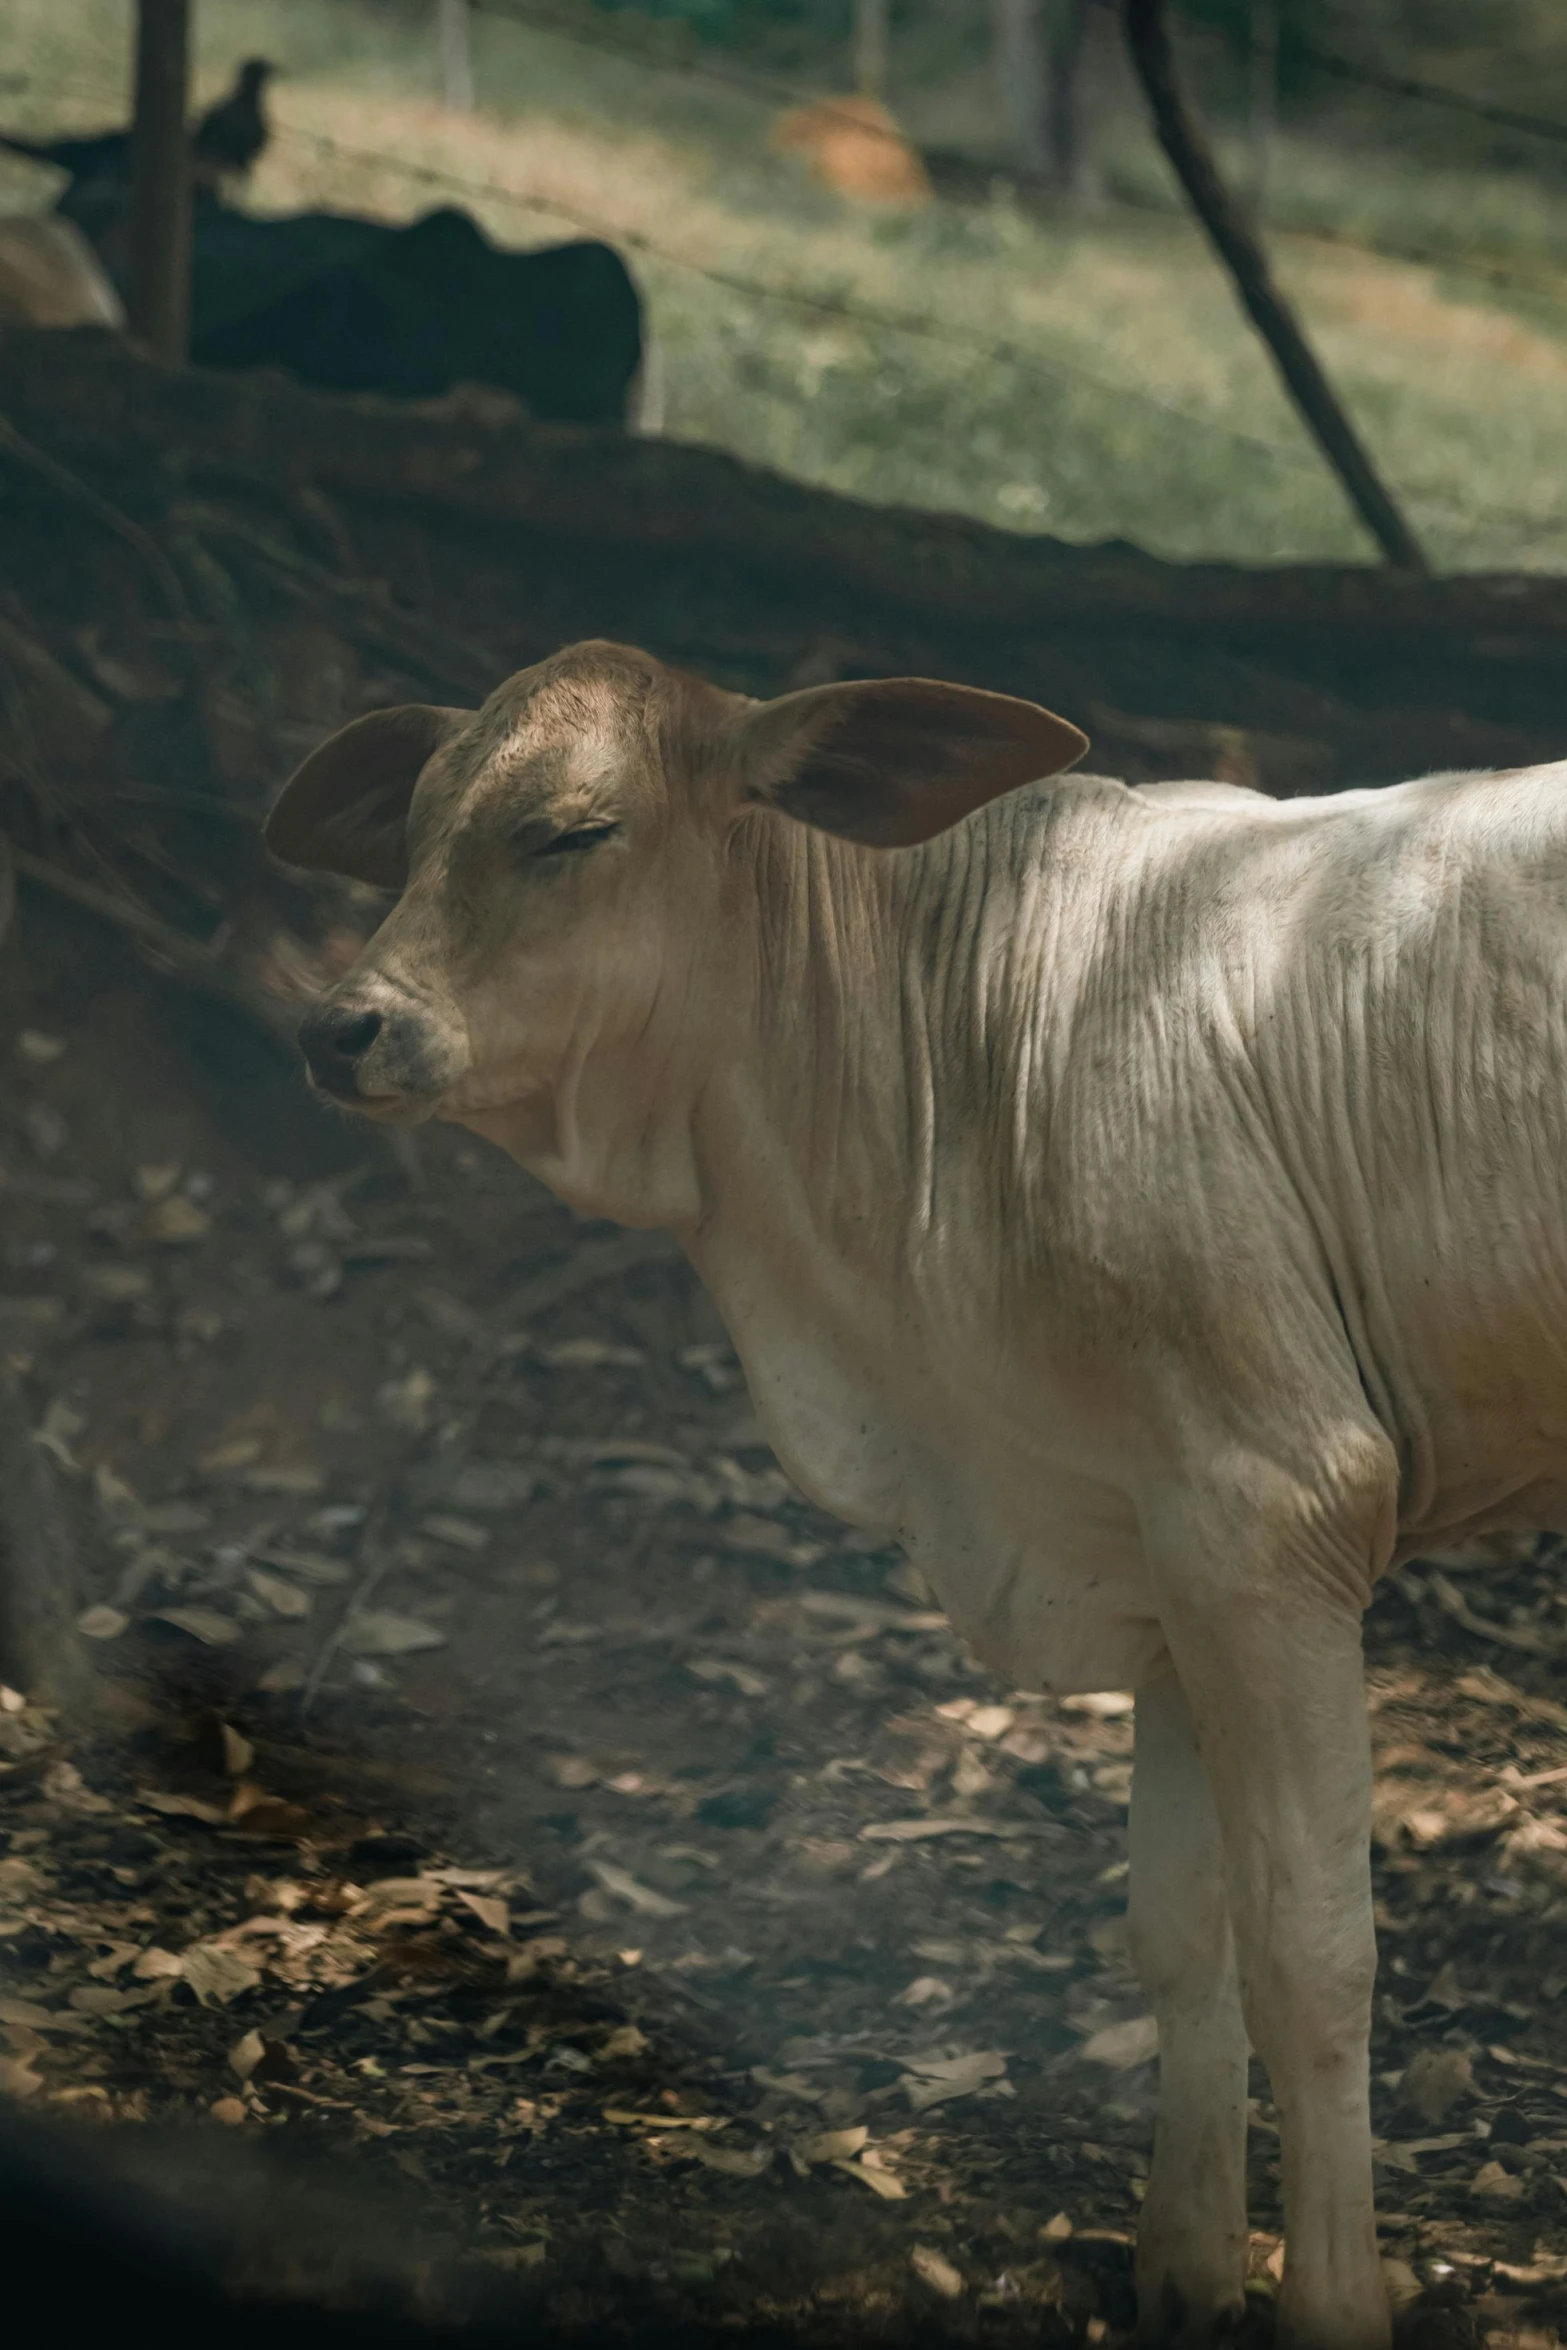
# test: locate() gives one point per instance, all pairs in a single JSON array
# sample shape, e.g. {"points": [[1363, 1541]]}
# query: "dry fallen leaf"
{"points": [[102, 1623], [490, 1910], [103, 1999], [833, 2145], [926, 1991], [64, 1784], [246, 2054], [1444, 1990], [738, 2163], [175, 1222], [306, 1566], [1435, 2079], [181, 1807], [741, 1677], [625, 2040], [930, 2081], [202, 1623], [936, 2272], [17, 2078], [1492, 2184], [626, 2119], [916, 1831], [118, 1955], [217, 1975], [590, 1354], [629, 1889], [1120, 2046], [26, 2012], [382, 1632], [1401, 2281], [229, 2110], [874, 2175], [278, 1593], [1057, 2230], [458, 1533], [990, 1721], [408, 1402], [261, 1814], [155, 1965], [238, 1753]]}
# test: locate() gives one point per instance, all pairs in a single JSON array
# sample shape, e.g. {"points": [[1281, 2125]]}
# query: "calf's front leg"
{"points": [[1191, 2238], [1262, 1613]]}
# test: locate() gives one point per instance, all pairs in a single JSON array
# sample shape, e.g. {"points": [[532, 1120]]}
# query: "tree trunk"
{"points": [[456, 56], [1021, 79], [161, 181], [1065, 141], [870, 47], [1183, 142]]}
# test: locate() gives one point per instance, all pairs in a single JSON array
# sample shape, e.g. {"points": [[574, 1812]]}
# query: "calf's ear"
{"points": [[893, 761], [346, 809]]}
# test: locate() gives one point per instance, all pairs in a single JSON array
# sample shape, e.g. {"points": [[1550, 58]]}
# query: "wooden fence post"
{"points": [[161, 181]]}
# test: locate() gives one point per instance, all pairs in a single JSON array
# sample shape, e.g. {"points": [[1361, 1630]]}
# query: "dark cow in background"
{"points": [[356, 306], [353, 305]]}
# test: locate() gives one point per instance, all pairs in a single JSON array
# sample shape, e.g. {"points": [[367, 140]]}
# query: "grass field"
{"points": [[1087, 375]]}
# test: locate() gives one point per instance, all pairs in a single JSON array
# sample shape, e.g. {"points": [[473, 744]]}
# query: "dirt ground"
{"points": [[510, 1842], [507, 1799]]}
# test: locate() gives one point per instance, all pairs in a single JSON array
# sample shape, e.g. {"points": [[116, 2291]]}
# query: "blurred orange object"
{"points": [[854, 146]]}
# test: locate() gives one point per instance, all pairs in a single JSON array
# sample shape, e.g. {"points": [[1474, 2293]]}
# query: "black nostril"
{"points": [[335, 1039], [353, 1037]]}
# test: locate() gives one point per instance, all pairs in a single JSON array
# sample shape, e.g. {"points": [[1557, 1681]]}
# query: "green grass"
{"points": [[1087, 375]]}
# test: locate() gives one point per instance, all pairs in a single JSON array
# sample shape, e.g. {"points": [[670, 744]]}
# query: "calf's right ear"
{"points": [[891, 761], [346, 809]]}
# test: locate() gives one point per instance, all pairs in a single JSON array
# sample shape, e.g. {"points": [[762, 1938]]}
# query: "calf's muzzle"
{"points": [[334, 1039]]}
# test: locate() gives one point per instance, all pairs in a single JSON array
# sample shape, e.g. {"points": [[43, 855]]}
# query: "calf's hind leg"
{"points": [[1191, 2238], [1261, 1607]]}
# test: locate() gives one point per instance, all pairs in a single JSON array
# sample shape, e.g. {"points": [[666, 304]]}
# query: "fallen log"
{"points": [[87, 396]]}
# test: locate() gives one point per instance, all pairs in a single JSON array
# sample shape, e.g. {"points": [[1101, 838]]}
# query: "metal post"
{"points": [[456, 56], [161, 181], [1262, 91], [1066, 103], [1021, 78], [870, 47]]}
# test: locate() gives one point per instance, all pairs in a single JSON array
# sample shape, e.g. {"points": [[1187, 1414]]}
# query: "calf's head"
{"points": [[565, 858]]}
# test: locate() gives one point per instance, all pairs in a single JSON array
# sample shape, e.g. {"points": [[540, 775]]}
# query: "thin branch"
{"points": [[1148, 38], [61, 478]]}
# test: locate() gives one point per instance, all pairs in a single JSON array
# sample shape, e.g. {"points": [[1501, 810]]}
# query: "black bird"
{"points": [[225, 142], [231, 134]]}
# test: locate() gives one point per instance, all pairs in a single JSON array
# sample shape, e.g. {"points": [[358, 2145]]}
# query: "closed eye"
{"points": [[582, 836]]}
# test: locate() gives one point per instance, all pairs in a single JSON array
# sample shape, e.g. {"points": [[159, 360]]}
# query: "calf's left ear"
{"points": [[892, 761], [346, 809]]}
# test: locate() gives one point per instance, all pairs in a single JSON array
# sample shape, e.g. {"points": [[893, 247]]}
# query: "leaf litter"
{"points": [[582, 1657]]}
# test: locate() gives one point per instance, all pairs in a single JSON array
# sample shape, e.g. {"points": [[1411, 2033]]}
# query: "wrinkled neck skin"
{"points": [[861, 1037]]}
